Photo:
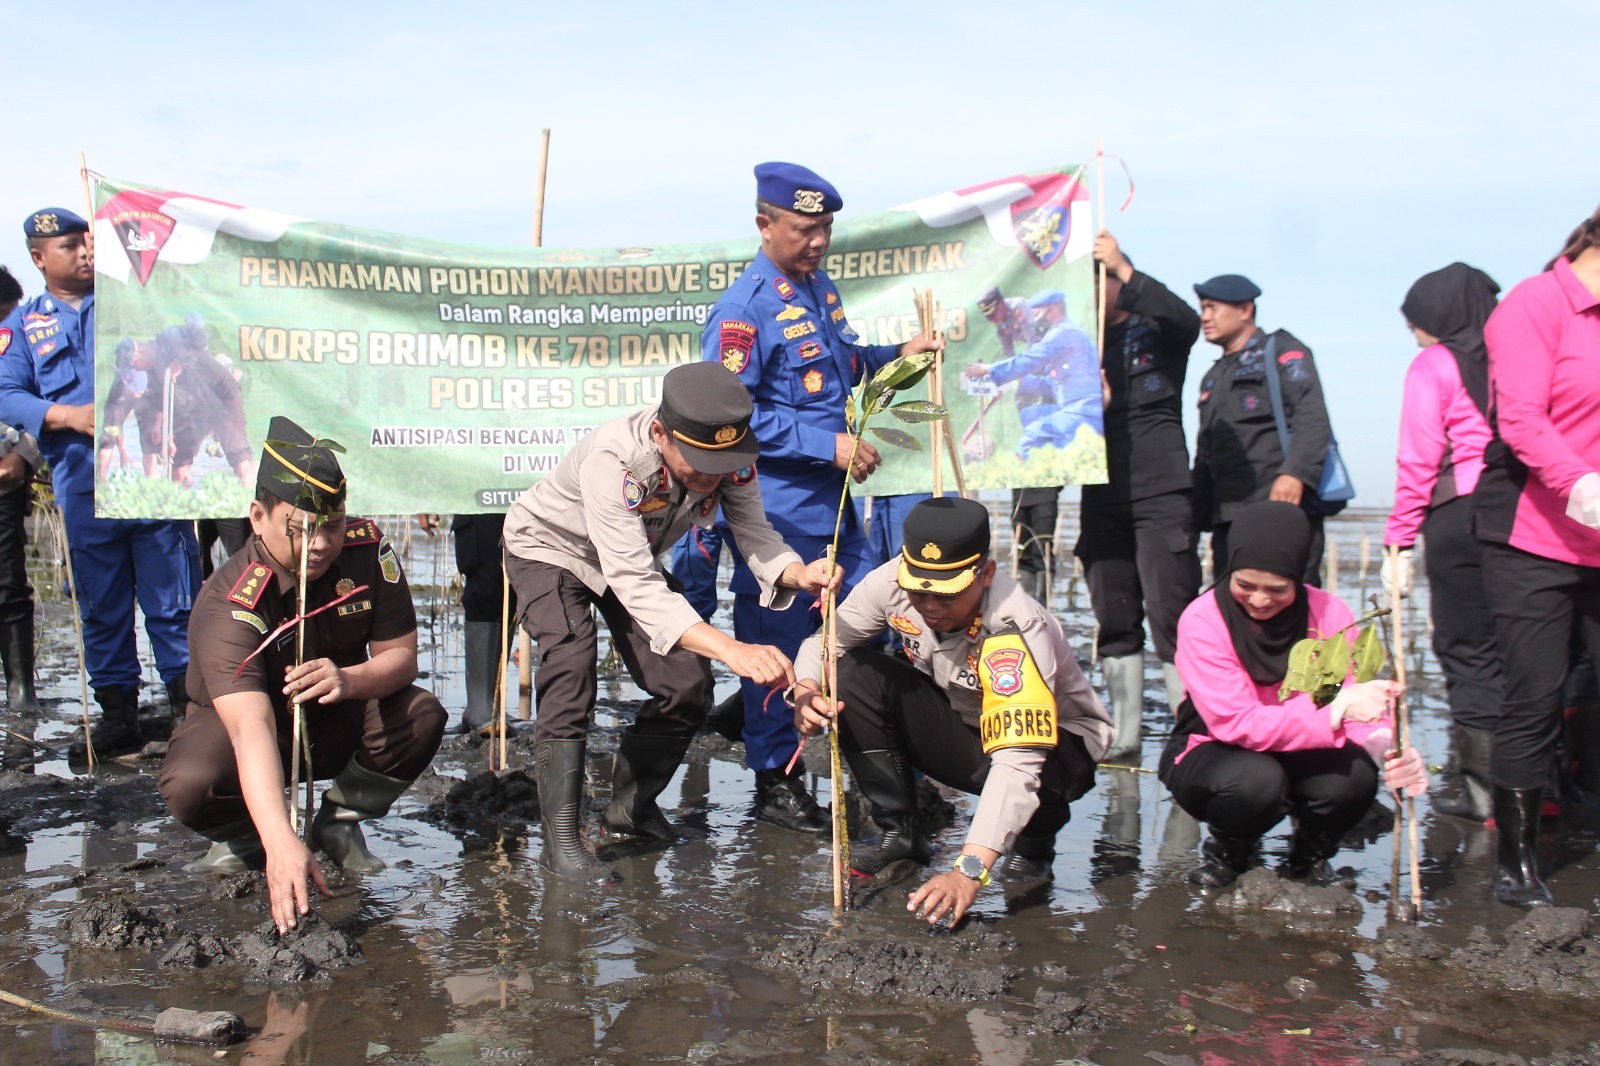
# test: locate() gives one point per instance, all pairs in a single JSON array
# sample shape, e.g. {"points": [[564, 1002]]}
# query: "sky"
{"points": [[1332, 155]]}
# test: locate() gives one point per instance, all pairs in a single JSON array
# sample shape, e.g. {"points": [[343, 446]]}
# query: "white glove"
{"points": [[1396, 572], [1583, 504], [1364, 702]]}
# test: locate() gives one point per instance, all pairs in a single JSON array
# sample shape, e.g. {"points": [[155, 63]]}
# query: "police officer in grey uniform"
{"points": [[589, 536], [991, 702], [1238, 458]]}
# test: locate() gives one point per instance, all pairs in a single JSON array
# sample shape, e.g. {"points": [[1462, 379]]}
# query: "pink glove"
{"points": [[1406, 774]]}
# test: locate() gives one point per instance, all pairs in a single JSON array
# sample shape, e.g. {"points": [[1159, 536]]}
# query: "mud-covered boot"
{"points": [[1516, 871], [1309, 852], [16, 648], [884, 777], [783, 800], [355, 796], [178, 698], [237, 849], [1476, 802], [1223, 859], [482, 642], [1173, 684], [118, 730], [1030, 859], [558, 765], [645, 765], [1125, 690], [727, 718]]}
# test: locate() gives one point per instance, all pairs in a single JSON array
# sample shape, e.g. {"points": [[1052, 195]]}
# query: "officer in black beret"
{"points": [[1239, 455], [369, 728]]}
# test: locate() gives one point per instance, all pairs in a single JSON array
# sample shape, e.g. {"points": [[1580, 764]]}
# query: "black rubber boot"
{"points": [[784, 801], [1475, 803], [355, 796], [1516, 871], [1224, 858], [118, 730], [727, 718], [645, 765], [558, 765], [885, 778], [16, 648], [178, 698], [482, 663], [1030, 859], [1309, 852]]}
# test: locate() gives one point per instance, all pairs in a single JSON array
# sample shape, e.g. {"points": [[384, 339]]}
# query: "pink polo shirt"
{"points": [[1442, 437], [1544, 369]]}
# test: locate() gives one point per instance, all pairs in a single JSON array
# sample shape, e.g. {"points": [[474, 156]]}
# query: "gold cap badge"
{"points": [[808, 200], [931, 552], [46, 223], [726, 435]]}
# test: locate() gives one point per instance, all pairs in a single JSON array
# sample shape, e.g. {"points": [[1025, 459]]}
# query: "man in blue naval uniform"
{"points": [[1062, 362], [781, 327], [47, 388]]}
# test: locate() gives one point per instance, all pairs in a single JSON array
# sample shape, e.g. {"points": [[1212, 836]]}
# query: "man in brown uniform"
{"points": [[370, 729], [588, 536]]}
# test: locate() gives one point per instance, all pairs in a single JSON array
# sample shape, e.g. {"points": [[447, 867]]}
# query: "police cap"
{"points": [[706, 409], [794, 188], [1048, 298], [989, 300], [946, 541], [53, 222], [1228, 289], [298, 470]]}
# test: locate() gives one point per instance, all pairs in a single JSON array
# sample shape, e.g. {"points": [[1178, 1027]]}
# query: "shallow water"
{"points": [[472, 955]]}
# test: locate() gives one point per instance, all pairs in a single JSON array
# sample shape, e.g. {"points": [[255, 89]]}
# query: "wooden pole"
{"points": [[77, 636], [524, 641], [500, 679], [297, 741], [88, 200], [538, 192], [1100, 225], [1366, 547], [1403, 739]]}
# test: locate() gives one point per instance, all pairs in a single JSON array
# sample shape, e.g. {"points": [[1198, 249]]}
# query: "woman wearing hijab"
{"points": [[1240, 758], [1444, 428], [1537, 510]]}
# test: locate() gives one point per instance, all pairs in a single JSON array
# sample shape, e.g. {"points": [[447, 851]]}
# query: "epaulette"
{"points": [[364, 531], [251, 586]]}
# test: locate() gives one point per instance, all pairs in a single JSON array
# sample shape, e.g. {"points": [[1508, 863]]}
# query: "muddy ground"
{"points": [[725, 948]]}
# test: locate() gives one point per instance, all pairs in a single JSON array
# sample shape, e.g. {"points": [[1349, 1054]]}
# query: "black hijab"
{"points": [[1276, 537], [1453, 304]]}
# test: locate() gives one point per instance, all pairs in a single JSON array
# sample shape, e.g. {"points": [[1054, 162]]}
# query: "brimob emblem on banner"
{"points": [[808, 201], [1043, 232], [727, 435], [46, 223]]}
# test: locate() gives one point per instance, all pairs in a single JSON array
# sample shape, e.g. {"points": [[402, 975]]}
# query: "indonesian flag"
{"points": [[173, 227], [1046, 215]]}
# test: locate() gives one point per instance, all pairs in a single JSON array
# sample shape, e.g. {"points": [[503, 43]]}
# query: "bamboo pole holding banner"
{"points": [[524, 641], [929, 317], [1100, 226]]}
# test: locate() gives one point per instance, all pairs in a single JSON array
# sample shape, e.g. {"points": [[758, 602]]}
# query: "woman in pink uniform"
{"points": [[1537, 510], [1444, 429], [1240, 758]]}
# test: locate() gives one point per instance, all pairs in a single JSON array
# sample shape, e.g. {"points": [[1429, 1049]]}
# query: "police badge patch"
{"points": [[632, 492], [1006, 667], [813, 381], [390, 565], [5, 340]]}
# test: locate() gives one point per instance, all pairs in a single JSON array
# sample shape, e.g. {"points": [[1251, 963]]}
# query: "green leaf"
{"points": [[898, 437], [877, 397], [1332, 661], [331, 445], [286, 477], [1298, 678], [904, 372], [1370, 657], [850, 412], [918, 411]]}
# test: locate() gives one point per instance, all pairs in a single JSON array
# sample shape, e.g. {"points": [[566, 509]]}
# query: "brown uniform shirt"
{"points": [[250, 595]]}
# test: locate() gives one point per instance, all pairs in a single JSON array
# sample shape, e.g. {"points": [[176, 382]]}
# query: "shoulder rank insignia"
{"points": [[975, 628], [708, 504], [250, 618], [788, 314], [905, 625], [632, 491], [251, 586], [785, 290], [364, 531], [5, 340]]}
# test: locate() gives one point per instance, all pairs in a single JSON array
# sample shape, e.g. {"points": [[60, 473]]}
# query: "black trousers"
{"points": [[1035, 510], [1242, 793], [1463, 624], [234, 533], [890, 705], [556, 611], [1536, 602], [1313, 574], [1140, 559], [478, 559], [16, 595]]}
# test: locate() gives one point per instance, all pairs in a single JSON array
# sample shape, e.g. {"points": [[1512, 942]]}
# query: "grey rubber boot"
{"points": [[356, 795], [645, 765], [1124, 676], [558, 765], [885, 778], [237, 850], [1476, 802], [16, 648], [483, 663], [1175, 690]]}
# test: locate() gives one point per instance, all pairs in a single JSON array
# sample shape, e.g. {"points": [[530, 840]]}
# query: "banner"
{"points": [[455, 376]]}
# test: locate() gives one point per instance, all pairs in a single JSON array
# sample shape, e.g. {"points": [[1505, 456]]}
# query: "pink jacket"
{"points": [[1237, 710], [1442, 437], [1544, 369]]}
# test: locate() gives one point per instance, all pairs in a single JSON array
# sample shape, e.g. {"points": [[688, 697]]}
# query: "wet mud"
{"points": [[724, 948]]}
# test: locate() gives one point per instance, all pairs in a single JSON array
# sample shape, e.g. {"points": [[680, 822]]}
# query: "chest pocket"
{"points": [[813, 375], [1147, 383], [55, 371], [1248, 399]]}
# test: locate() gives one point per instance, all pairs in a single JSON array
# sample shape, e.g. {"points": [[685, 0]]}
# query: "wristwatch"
{"points": [[972, 867]]}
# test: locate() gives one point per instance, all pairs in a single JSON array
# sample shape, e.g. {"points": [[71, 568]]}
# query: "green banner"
{"points": [[457, 376]]}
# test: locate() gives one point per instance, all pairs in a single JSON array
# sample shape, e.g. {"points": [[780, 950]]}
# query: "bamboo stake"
{"points": [[841, 835], [77, 637], [538, 192], [524, 641], [88, 200], [1100, 218], [1366, 545], [1403, 741], [298, 742], [500, 679]]}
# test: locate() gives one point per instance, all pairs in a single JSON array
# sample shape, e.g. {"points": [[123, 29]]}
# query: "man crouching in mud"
{"points": [[992, 702], [370, 729]]}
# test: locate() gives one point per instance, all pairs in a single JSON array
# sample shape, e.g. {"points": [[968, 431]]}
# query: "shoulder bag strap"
{"points": [[1276, 390]]}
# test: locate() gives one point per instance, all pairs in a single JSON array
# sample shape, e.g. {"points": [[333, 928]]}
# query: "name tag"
{"points": [[355, 607]]}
